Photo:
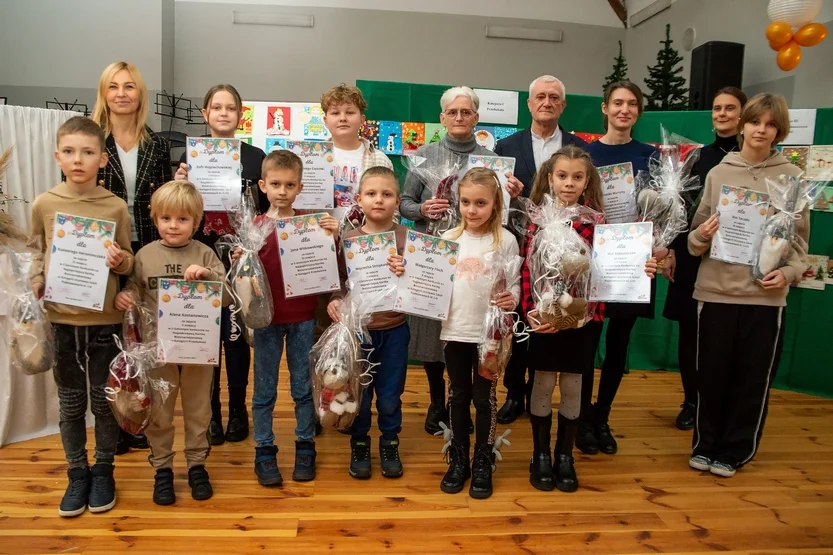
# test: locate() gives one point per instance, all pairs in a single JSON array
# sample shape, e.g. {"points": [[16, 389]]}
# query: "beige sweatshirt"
{"points": [[156, 261], [99, 204], [721, 282]]}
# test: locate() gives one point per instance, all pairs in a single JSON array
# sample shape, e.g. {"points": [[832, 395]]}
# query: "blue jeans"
{"points": [[268, 351], [390, 349]]}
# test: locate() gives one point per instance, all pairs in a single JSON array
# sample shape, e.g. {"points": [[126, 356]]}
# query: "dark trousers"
{"points": [[85, 352], [238, 359], [467, 386], [617, 339], [739, 348], [390, 351], [687, 353], [514, 377]]}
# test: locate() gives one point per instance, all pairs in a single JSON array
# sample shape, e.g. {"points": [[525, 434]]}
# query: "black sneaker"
{"points": [[266, 466], [481, 472], [102, 488], [685, 420], [138, 441], [389, 453], [360, 457], [458, 468], [216, 431], [200, 485], [304, 470], [238, 425], [163, 487], [78, 492]]}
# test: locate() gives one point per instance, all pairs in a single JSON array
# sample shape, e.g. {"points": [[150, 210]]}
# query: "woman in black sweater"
{"points": [[680, 266]]}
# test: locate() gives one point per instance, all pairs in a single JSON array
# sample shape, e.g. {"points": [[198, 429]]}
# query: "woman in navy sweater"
{"points": [[622, 106]]}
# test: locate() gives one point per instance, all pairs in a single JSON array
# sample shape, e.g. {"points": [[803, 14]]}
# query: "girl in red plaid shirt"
{"points": [[572, 178]]}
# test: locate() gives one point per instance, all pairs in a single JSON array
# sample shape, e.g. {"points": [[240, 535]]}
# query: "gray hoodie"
{"points": [[721, 282]]}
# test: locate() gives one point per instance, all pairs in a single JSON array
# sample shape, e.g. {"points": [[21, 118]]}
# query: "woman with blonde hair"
{"points": [[138, 163], [139, 159]]}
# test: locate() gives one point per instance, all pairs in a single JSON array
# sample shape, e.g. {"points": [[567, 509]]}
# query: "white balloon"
{"points": [[795, 12]]}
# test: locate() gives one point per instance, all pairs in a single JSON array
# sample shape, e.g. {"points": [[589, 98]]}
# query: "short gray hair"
{"points": [[452, 93], [548, 79]]}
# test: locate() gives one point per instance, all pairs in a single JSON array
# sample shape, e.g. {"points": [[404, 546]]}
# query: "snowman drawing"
{"points": [[391, 142]]}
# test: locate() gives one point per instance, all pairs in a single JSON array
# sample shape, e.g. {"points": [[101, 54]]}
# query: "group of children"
{"points": [[85, 339]]}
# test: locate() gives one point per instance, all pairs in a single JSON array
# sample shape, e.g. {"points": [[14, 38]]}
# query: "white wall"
{"points": [[744, 21], [286, 63], [589, 12]]}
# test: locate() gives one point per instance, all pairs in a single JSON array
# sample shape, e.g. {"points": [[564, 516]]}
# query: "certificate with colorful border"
{"points": [[742, 214], [188, 325], [620, 252], [425, 287], [368, 274], [78, 272], [619, 192], [308, 256], [214, 168]]}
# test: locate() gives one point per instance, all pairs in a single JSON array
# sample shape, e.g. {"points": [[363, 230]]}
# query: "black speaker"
{"points": [[714, 65]]}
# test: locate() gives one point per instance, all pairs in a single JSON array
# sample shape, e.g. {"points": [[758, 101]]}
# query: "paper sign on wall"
{"points": [[802, 127], [498, 106]]}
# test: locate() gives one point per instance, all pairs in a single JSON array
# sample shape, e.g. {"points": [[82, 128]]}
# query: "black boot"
{"points": [[685, 420], [540, 467], [238, 416], [586, 440], [565, 472], [607, 444], [437, 412], [510, 411], [481, 472], [458, 467], [215, 430]]}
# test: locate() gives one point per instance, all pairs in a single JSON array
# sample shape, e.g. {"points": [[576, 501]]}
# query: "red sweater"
{"points": [[287, 311]]}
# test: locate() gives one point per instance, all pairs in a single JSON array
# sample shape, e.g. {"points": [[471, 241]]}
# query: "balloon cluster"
{"points": [[791, 28]]}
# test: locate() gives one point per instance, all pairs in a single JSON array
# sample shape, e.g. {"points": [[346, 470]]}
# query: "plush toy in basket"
{"points": [[338, 366], [559, 264]]}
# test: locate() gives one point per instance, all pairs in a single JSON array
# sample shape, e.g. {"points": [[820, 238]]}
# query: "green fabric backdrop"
{"points": [[809, 325]]}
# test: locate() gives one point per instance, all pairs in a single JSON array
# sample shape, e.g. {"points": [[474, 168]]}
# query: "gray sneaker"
{"points": [[78, 491], [699, 462], [722, 469], [389, 453], [103, 489]]}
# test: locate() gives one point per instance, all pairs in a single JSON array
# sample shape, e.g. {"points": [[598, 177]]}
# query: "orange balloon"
{"points": [[789, 56], [811, 35], [779, 33], [775, 46]]}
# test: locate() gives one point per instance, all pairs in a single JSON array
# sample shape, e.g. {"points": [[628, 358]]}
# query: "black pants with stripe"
{"points": [[739, 348]]}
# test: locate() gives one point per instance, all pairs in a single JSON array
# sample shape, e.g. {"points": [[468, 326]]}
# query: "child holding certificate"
{"points": [[222, 108], [82, 334], [740, 325], [293, 320], [481, 207], [378, 196], [568, 353], [176, 209]]}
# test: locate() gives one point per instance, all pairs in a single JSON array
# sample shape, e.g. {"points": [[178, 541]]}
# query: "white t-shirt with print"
{"points": [[470, 295], [347, 170]]}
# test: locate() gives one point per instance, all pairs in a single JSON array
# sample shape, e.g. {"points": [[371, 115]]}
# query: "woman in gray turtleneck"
{"points": [[459, 116]]}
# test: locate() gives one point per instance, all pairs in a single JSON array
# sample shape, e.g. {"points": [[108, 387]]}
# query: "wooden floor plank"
{"points": [[645, 499]]}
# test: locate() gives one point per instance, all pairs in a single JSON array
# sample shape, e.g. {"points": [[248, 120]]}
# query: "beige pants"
{"points": [[195, 383]]}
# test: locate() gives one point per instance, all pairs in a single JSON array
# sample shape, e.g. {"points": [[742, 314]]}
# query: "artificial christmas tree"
{"points": [[666, 85], [620, 69]]}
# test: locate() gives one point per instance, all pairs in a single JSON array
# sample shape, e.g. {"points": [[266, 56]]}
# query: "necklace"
{"points": [[756, 168]]}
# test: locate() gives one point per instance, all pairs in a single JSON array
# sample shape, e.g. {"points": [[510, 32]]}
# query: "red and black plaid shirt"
{"points": [[585, 231]]}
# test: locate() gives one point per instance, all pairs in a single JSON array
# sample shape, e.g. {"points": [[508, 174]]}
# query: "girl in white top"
{"points": [[481, 204]]}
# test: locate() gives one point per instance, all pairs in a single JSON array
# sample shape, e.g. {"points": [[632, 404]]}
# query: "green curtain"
{"points": [[804, 365]]}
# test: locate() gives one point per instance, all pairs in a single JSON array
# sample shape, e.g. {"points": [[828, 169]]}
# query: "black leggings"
{"points": [[468, 386], [617, 338]]}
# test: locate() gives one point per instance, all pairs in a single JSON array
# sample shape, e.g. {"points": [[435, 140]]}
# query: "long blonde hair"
{"points": [[489, 179], [592, 196], [101, 112]]}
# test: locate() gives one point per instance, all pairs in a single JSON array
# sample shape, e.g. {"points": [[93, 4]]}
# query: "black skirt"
{"points": [[571, 351]]}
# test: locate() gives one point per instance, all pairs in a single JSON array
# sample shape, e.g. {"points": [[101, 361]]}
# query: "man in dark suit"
{"points": [[531, 148]]}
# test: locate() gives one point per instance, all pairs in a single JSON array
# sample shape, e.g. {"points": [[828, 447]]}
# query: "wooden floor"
{"points": [[643, 500]]}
